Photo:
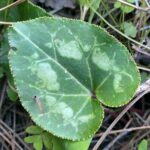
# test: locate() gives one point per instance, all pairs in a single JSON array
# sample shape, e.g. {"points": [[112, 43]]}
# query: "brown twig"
{"points": [[117, 137], [119, 117], [11, 131], [12, 5], [140, 134], [128, 146], [5, 138], [136, 48], [124, 130], [2, 94], [4, 144], [143, 87], [14, 129], [9, 137]]}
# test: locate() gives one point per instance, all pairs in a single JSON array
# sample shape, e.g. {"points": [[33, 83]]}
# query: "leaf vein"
{"points": [[38, 48]]}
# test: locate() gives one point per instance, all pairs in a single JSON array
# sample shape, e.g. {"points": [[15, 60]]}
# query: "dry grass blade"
{"points": [[134, 6], [2, 95], [143, 87], [136, 48], [118, 31], [12, 5], [144, 68], [125, 130], [5, 23]]}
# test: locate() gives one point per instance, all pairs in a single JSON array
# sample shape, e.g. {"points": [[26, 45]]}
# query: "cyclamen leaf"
{"points": [[38, 144], [129, 29], [34, 130], [63, 71], [61, 144], [30, 139], [11, 94], [47, 140], [28, 10], [40, 135], [143, 145], [36, 140], [21, 12]]}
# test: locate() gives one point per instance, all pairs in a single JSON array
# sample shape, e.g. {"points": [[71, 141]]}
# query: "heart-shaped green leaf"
{"points": [[63, 68]]}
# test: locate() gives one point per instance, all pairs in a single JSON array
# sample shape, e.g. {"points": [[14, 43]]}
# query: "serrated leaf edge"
{"points": [[40, 8]]}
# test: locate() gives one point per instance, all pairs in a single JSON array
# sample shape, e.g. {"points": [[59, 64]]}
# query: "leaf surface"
{"points": [[23, 11], [129, 29], [63, 71], [61, 144], [34, 130], [143, 145]]}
